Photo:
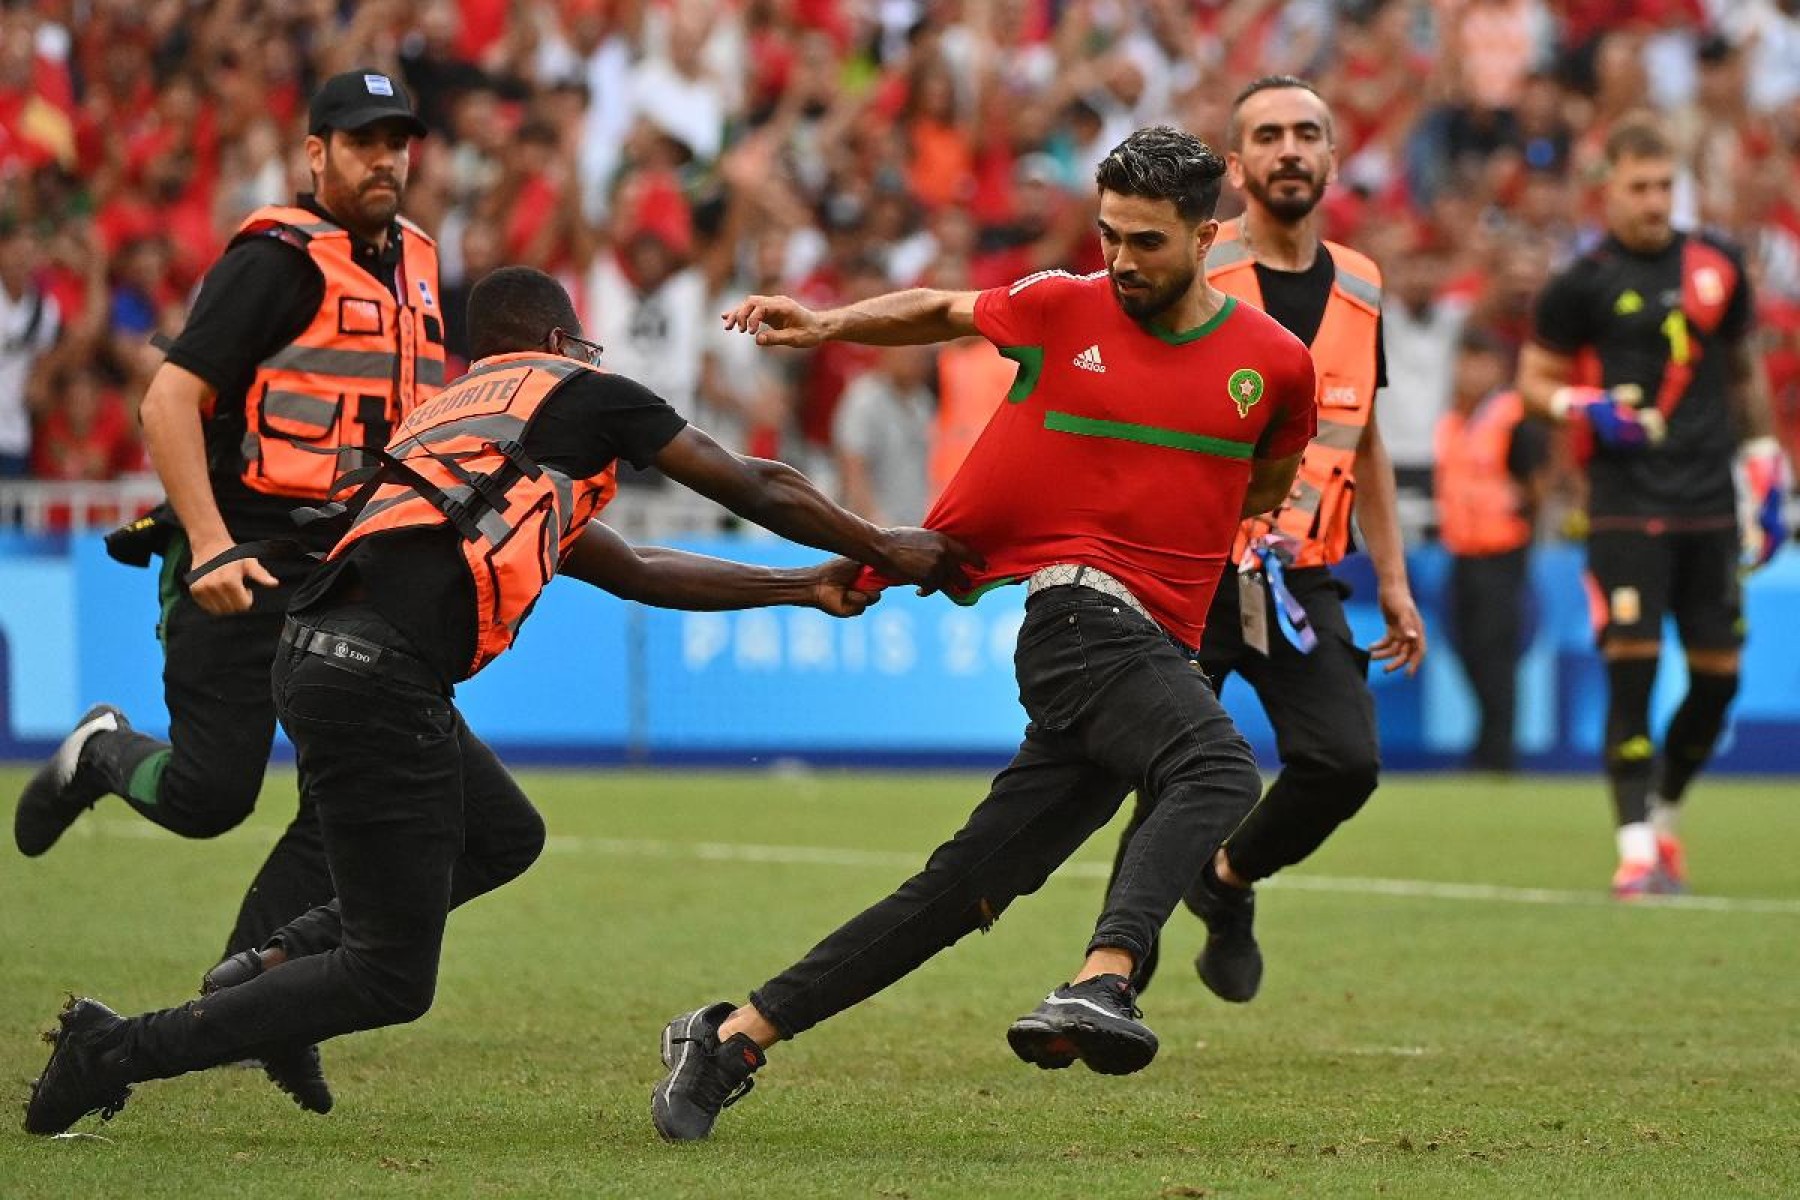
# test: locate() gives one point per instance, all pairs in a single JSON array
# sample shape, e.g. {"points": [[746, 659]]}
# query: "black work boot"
{"points": [[1230, 963], [705, 1075], [85, 1074], [92, 761], [1096, 1021], [296, 1070]]}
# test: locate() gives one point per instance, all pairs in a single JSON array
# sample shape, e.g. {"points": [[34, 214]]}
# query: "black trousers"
{"points": [[418, 816], [221, 727], [1486, 609], [1323, 715], [1114, 705]]}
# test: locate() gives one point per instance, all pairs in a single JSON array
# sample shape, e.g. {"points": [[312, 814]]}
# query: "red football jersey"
{"points": [[1122, 448]]}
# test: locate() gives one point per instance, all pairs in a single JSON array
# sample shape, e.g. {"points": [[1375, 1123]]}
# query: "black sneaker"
{"points": [[1231, 963], [1095, 1021], [61, 790], [296, 1070], [78, 1079], [705, 1075]]}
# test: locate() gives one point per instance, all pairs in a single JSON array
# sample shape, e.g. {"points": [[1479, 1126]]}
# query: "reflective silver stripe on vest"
{"points": [[298, 406], [345, 364], [375, 507], [1358, 288], [555, 364], [428, 372], [1228, 255], [565, 499], [496, 427], [1338, 435]]}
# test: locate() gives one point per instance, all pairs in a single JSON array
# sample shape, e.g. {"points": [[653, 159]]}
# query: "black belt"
{"points": [[358, 655]]}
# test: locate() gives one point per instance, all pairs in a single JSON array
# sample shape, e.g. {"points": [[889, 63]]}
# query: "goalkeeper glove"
{"points": [[1611, 416], [1766, 479]]}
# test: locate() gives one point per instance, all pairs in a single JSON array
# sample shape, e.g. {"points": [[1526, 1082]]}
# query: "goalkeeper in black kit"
{"points": [[1681, 400]]}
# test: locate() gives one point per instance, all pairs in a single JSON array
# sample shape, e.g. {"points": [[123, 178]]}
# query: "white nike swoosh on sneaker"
{"points": [[687, 1046], [68, 755], [1077, 1000]]}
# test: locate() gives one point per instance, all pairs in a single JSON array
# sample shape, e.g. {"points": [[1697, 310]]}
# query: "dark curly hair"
{"points": [[1164, 163], [514, 309]]}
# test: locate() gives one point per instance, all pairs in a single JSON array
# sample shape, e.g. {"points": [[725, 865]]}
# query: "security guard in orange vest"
{"points": [[1489, 478], [312, 337], [1282, 626], [488, 492]]}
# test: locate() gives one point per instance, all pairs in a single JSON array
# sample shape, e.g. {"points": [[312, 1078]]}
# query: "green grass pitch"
{"points": [[1452, 1008]]}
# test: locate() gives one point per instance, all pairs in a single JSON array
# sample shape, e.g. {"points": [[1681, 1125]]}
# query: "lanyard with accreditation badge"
{"points": [[1264, 560]]}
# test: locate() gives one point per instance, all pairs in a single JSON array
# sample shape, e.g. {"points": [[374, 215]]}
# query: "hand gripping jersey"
{"points": [[1481, 507], [457, 461], [1316, 514], [365, 361]]}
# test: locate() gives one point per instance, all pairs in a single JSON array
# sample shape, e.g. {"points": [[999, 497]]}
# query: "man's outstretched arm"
{"points": [[782, 500], [917, 317], [677, 579]]}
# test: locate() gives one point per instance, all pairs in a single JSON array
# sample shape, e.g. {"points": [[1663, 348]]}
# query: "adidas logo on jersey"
{"points": [[1089, 360]]}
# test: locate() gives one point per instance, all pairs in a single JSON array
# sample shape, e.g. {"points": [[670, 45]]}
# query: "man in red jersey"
{"points": [[1150, 413]]}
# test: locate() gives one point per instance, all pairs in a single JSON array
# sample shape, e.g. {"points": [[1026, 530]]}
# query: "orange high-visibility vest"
{"points": [[972, 380], [1481, 507], [352, 376], [1316, 513], [457, 461]]}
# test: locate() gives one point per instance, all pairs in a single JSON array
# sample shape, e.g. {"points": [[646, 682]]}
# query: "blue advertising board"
{"points": [[920, 681]]}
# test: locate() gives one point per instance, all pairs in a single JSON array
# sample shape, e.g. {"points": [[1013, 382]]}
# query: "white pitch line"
{"points": [[1415, 889], [833, 856]]}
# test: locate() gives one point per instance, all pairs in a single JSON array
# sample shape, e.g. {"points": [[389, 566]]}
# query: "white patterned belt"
{"points": [[1071, 575]]}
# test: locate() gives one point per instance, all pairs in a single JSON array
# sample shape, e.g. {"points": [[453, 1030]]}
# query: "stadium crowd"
{"points": [[664, 157]]}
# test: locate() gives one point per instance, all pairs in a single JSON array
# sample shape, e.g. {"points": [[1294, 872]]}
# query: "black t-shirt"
{"points": [[260, 295], [1297, 300], [1618, 303], [417, 578]]}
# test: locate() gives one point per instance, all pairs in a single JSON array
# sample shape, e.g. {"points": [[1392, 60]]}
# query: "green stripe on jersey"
{"points": [[1198, 331], [970, 597], [1031, 367], [1149, 435]]}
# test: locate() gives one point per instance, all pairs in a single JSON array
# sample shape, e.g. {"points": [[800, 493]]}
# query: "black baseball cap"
{"points": [[358, 98]]}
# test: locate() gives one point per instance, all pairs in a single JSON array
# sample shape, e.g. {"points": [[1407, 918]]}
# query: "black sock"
{"points": [[1629, 754], [1694, 730]]}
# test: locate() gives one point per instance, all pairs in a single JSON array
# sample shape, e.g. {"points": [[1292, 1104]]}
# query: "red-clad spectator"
{"points": [[480, 26], [36, 129], [1778, 326], [898, 142], [87, 434]]}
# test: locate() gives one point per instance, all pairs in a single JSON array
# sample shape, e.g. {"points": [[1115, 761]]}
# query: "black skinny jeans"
{"points": [[1114, 705], [418, 817]]}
